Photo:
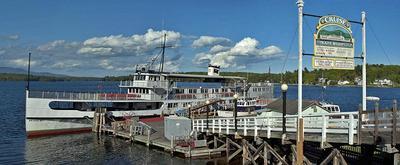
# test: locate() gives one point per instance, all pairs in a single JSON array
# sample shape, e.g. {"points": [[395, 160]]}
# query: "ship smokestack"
{"points": [[213, 70]]}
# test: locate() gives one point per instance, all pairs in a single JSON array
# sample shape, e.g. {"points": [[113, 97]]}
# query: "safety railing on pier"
{"points": [[90, 96], [334, 123]]}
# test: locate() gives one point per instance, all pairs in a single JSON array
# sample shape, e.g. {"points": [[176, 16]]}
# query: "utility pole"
{"points": [[364, 67], [300, 134]]}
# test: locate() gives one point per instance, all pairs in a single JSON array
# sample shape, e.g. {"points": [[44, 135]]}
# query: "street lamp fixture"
{"points": [[284, 87], [235, 97], [189, 111]]}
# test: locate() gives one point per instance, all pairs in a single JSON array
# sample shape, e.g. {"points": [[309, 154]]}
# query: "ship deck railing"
{"points": [[90, 96], [184, 96]]}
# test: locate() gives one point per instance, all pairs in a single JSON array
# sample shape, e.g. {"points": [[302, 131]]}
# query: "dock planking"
{"points": [[158, 140]]}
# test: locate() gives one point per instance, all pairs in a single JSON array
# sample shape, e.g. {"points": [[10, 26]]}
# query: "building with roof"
{"points": [[275, 109], [309, 107]]}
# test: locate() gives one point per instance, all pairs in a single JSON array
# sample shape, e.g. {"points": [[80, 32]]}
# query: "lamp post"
{"points": [[207, 109], [284, 88], [235, 97], [189, 111]]}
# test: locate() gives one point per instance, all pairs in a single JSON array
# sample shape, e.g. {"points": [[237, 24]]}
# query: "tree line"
{"points": [[374, 72]]}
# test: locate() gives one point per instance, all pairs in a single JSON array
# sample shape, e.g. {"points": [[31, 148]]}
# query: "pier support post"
{"points": [[255, 129], [396, 158], [376, 122], [172, 145], [351, 129], [300, 141], [148, 137], [215, 142], [394, 123], [227, 149], [359, 125], [323, 131], [265, 154], [100, 121], [245, 152], [245, 126], [94, 124]]}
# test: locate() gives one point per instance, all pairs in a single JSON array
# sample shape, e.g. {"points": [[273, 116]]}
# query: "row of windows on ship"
{"points": [[186, 104], [259, 89], [143, 77], [183, 91], [195, 90]]}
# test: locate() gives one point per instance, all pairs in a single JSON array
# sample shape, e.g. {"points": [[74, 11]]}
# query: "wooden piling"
{"points": [[300, 141], [245, 152], [172, 145], [148, 137], [265, 154], [94, 124]]}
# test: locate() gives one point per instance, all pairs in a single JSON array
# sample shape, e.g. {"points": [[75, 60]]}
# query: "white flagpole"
{"points": [[364, 66], [300, 69], [299, 146]]}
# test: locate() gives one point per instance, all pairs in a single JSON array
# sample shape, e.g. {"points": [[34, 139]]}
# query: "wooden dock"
{"points": [[156, 139], [254, 139]]}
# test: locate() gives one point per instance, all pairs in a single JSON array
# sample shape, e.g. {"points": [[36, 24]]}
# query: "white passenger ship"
{"points": [[149, 93]]}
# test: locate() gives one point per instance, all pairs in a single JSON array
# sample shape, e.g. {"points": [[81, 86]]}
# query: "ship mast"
{"points": [[161, 69]]}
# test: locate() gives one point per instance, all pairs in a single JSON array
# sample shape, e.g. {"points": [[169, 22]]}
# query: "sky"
{"points": [[99, 37]]}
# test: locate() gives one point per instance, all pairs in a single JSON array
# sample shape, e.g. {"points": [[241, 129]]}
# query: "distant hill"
{"points": [[23, 71], [17, 74], [12, 70]]}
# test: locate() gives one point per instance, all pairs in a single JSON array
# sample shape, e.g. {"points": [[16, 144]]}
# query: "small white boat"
{"points": [[331, 108], [245, 107]]}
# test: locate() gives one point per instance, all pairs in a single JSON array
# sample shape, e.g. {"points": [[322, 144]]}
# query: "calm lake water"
{"points": [[88, 149]]}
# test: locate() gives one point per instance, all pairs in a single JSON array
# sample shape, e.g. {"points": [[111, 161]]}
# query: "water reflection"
{"points": [[90, 149]]}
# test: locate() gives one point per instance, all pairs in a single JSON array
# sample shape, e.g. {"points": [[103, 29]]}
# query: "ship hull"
{"points": [[41, 120], [47, 127]]}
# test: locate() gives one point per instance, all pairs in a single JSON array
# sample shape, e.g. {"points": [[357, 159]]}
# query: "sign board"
{"points": [[333, 44]]}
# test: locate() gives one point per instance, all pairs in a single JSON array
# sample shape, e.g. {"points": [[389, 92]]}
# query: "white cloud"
{"points": [[132, 45], [51, 45], [242, 53], [218, 48], [120, 53], [13, 37], [106, 64], [66, 64], [205, 41], [22, 62], [96, 51]]}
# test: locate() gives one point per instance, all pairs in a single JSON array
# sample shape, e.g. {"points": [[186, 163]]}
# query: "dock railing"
{"points": [[333, 123]]}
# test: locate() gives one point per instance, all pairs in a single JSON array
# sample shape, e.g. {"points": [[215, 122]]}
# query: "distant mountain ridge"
{"points": [[23, 71]]}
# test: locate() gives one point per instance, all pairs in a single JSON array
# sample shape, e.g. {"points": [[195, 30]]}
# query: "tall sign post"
{"points": [[364, 67], [333, 49], [300, 132]]}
